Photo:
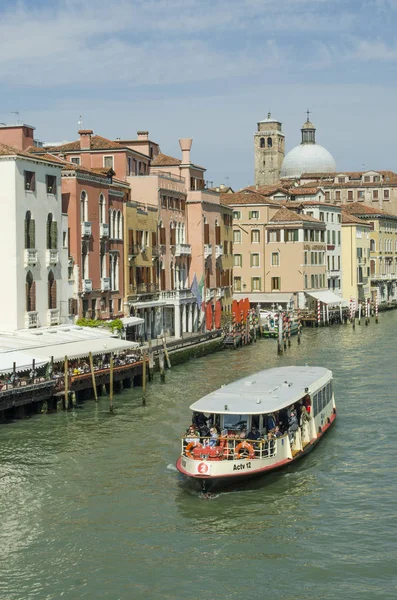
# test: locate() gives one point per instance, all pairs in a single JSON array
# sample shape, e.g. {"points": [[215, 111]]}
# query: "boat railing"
{"points": [[228, 448]]}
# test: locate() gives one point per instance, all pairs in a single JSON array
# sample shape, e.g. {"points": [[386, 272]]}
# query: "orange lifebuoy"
{"points": [[245, 446], [190, 446]]}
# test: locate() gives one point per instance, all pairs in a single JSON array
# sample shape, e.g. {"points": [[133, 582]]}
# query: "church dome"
{"points": [[308, 157]]}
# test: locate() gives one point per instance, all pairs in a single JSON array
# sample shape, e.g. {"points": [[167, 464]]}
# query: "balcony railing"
{"points": [[31, 319], [361, 261], [142, 288], [220, 292], [53, 316], [86, 285], [153, 287], [175, 295], [86, 229], [30, 257], [52, 257], [207, 250], [218, 250], [104, 230], [209, 293], [105, 284], [183, 250], [362, 281]]}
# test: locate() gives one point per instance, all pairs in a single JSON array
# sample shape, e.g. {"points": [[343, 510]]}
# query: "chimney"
{"points": [[185, 144], [143, 135], [222, 186], [85, 138]]}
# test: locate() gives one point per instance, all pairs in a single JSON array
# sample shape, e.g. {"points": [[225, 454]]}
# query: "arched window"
{"points": [[114, 224], [262, 143], [373, 267], [30, 293], [373, 245], [84, 261], [102, 260], [30, 241], [172, 234], [52, 233], [102, 209], [52, 291], [269, 142], [83, 206], [118, 225]]}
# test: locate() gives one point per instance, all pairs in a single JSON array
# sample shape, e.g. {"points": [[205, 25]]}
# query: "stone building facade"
{"points": [[269, 150]]}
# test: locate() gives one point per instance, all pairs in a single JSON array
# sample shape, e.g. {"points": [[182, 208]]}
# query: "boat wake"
{"points": [[172, 467]]}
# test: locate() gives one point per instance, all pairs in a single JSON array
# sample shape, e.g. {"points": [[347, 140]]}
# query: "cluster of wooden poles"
{"points": [[246, 328], [148, 366], [284, 331]]}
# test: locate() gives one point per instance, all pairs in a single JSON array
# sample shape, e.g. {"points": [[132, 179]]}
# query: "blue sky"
{"points": [[206, 69]]}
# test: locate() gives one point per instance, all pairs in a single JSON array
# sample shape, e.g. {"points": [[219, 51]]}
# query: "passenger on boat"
{"points": [[270, 422], [305, 416], [243, 434], [214, 437], [192, 435], [254, 434], [269, 444], [293, 424]]}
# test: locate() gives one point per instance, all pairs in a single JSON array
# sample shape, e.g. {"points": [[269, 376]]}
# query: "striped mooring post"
{"points": [[368, 310], [234, 330], [299, 326], [318, 313], [280, 334], [376, 305], [353, 316], [289, 330], [285, 330]]}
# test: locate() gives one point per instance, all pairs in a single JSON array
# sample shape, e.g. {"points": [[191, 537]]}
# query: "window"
{"points": [[273, 235], [327, 196], [262, 142], [338, 238], [275, 260], [75, 160], [291, 235], [102, 209], [341, 180], [30, 293], [30, 238], [129, 165], [255, 236], [305, 281], [269, 142], [333, 237], [321, 216], [306, 235], [52, 291], [337, 196], [375, 194], [236, 236], [237, 284], [238, 260], [83, 206], [339, 218], [237, 214], [108, 162], [386, 194], [52, 233], [30, 181], [254, 261], [367, 178], [51, 183], [253, 214], [276, 281], [350, 195], [312, 281], [255, 284]]}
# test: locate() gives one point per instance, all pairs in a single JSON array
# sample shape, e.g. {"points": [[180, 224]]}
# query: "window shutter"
{"points": [[154, 239], [32, 233], [27, 223], [54, 235]]}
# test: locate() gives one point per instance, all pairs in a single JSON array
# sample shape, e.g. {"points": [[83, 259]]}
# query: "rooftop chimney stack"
{"points": [[185, 144], [143, 135], [85, 138]]}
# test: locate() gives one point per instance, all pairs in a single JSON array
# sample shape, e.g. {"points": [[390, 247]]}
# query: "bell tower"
{"points": [[269, 150]]}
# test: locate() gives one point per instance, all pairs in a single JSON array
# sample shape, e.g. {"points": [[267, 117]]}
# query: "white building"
{"points": [[33, 241], [330, 214]]}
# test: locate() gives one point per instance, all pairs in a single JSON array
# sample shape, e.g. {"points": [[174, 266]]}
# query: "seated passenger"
{"points": [[277, 431], [214, 437], [243, 434], [269, 444], [253, 434], [192, 435], [305, 416]]}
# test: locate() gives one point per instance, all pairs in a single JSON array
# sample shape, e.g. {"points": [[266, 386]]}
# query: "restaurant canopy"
{"points": [[328, 297], [275, 298], [23, 361]]}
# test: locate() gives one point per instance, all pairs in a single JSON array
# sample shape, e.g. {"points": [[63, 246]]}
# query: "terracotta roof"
{"points": [[347, 218], [284, 214], [163, 160], [266, 190], [247, 197], [97, 143], [304, 191], [11, 151], [357, 208]]}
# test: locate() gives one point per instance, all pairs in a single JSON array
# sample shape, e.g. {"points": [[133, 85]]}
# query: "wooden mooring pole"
{"points": [[151, 361], [144, 359], [161, 366], [93, 376], [66, 376], [280, 334], [167, 358]]}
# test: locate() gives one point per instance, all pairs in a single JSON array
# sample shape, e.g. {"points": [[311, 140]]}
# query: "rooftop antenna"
{"points": [[80, 122], [16, 113]]}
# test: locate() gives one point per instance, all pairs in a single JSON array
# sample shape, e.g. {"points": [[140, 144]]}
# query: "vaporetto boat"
{"points": [[258, 424]]}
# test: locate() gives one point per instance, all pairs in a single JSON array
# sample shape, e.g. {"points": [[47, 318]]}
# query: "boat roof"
{"points": [[264, 392]]}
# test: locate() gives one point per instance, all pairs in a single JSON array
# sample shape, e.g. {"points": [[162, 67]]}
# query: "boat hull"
{"points": [[245, 469]]}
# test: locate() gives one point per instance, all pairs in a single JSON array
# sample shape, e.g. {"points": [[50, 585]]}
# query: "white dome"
{"points": [[307, 158]]}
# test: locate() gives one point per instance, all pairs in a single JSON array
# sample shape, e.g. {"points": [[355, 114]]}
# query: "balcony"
{"points": [[53, 316], [361, 261], [153, 287], [105, 284], [142, 288], [218, 250], [31, 319], [220, 292], [52, 257], [157, 250], [175, 295], [207, 250], [86, 229], [86, 286], [30, 257], [362, 281], [183, 250], [209, 294], [104, 230]]}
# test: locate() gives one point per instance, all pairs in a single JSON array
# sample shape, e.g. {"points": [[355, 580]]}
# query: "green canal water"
{"points": [[91, 505]]}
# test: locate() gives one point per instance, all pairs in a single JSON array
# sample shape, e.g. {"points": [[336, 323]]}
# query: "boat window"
{"points": [[315, 405], [320, 399], [234, 421]]}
